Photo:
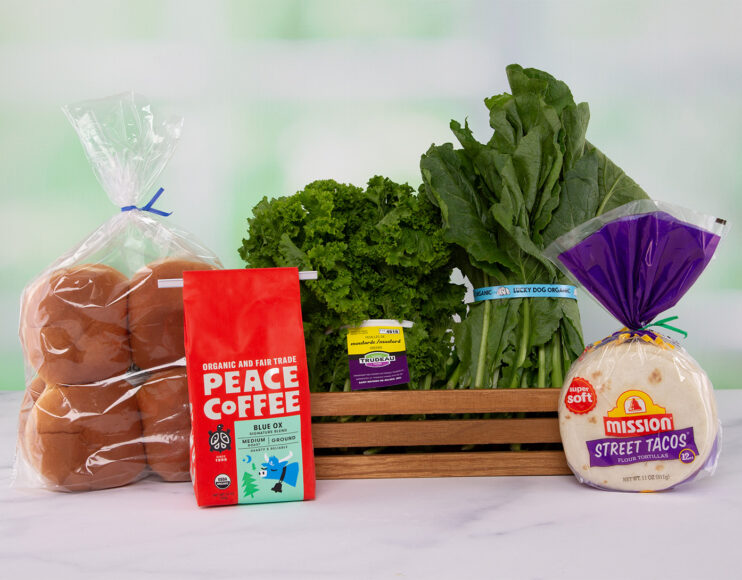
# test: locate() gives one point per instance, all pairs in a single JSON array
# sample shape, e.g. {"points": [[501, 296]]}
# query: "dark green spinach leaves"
{"points": [[501, 203]]}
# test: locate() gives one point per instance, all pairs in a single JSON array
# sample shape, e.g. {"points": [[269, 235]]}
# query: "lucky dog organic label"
{"points": [[248, 387]]}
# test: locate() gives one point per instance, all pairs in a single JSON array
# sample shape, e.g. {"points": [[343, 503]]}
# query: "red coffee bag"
{"points": [[248, 387]]}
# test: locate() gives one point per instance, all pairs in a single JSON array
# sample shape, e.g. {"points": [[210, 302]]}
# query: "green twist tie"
{"points": [[663, 324]]}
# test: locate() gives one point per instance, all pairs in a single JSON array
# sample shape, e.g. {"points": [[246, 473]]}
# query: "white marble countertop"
{"points": [[457, 528]]}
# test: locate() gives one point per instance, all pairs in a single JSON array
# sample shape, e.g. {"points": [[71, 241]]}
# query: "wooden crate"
{"points": [[524, 429]]}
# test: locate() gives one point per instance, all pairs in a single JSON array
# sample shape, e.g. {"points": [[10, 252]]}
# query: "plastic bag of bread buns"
{"points": [[102, 328], [636, 412]]}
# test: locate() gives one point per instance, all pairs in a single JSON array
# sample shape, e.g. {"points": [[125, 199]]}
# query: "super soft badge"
{"points": [[580, 397]]}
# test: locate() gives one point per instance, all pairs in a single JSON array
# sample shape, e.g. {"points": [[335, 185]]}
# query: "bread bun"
{"points": [[156, 314], [166, 423], [33, 392], [85, 437], [35, 388], [74, 325]]}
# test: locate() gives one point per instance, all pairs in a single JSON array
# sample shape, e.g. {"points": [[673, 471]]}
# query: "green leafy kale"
{"points": [[380, 253], [501, 203]]}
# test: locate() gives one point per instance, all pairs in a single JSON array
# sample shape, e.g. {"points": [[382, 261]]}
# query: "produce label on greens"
{"points": [[377, 357], [525, 291]]}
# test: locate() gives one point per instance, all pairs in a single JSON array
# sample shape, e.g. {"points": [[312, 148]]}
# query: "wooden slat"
{"points": [[437, 432], [435, 402], [462, 464], [454, 432]]}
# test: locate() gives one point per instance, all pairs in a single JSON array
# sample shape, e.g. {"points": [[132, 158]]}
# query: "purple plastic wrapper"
{"points": [[639, 266]]}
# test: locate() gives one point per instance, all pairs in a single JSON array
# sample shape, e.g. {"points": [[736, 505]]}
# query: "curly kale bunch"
{"points": [[380, 254]]}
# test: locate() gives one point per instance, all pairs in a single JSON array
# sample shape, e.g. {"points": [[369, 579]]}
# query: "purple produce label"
{"points": [[380, 370], [377, 356], [669, 445]]}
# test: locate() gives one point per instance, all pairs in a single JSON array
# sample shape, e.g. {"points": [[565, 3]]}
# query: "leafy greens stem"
{"points": [[523, 346], [566, 358], [453, 381], [428, 382], [556, 360], [482, 358], [541, 383]]}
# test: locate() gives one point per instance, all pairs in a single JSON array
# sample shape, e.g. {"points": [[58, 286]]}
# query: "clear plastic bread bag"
{"points": [[636, 412], [106, 399]]}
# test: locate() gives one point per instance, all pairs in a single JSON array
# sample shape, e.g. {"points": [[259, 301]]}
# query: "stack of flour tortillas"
{"points": [[636, 412], [653, 424]]}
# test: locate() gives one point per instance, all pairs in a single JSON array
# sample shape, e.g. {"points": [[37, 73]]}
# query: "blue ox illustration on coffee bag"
{"points": [[280, 469]]}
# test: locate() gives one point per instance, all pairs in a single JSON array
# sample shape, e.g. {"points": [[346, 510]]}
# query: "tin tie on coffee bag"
{"points": [[636, 412], [248, 386]]}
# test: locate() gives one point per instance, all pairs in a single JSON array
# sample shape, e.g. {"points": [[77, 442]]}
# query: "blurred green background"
{"points": [[276, 94]]}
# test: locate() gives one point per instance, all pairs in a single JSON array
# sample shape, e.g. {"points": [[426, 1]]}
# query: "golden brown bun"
{"points": [[33, 392], [166, 423], [85, 437], [74, 326], [35, 388], [156, 314]]}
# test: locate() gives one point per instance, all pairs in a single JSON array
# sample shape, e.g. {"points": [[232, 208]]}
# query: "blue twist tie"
{"points": [[149, 205]]}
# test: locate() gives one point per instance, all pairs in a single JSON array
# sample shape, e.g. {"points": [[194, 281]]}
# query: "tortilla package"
{"points": [[636, 412], [248, 385], [106, 393]]}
